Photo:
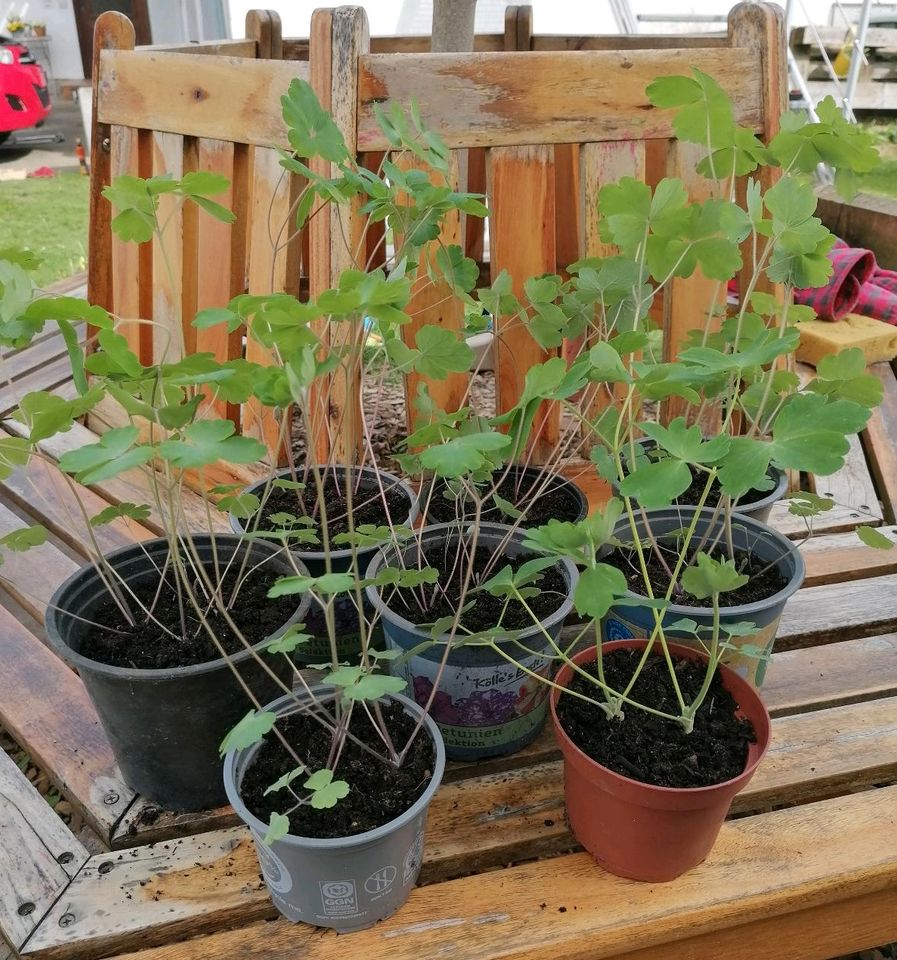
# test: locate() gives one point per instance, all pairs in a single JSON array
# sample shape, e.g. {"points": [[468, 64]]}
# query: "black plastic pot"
{"points": [[757, 509], [340, 560], [165, 725], [528, 476]]}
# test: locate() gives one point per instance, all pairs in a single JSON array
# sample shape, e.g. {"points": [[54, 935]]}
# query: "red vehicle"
{"points": [[24, 97]]}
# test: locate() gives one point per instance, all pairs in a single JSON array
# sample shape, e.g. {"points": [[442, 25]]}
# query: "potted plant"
{"points": [[658, 733]]}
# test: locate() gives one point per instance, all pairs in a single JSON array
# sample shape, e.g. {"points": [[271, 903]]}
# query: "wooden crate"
{"points": [[550, 124]]}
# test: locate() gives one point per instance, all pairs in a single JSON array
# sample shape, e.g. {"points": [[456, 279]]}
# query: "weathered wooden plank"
{"points": [[852, 486], [38, 857], [867, 221], [66, 740], [222, 98], [33, 576], [830, 675], [168, 267], [878, 441], [39, 354], [55, 501], [837, 520], [47, 377], [809, 856], [839, 611], [226, 48], [522, 242], [201, 882], [840, 557], [509, 99]]}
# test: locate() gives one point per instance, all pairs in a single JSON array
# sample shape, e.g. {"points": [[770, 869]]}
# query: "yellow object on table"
{"points": [[820, 338]]}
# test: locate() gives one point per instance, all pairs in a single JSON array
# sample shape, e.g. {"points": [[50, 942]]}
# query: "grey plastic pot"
{"points": [[485, 706], [340, 560], [626, 622], [344, 883], [165, 725], [758, 509]]}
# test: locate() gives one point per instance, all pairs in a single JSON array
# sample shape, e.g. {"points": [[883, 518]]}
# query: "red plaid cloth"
{"points": [[857, 285]]}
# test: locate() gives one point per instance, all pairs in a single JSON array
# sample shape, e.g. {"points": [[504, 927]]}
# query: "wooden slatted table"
{"points": [[805, 868]]}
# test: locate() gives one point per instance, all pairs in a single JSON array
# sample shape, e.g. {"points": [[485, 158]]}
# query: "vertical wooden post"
{"points": [[112, 31], [338, 37], [522, 237]]}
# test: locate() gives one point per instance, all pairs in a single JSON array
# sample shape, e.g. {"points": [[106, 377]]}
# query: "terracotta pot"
{"points": [[637, 830]]}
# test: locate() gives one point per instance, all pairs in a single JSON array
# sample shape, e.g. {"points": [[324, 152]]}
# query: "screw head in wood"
{"points": [[66, 920], [110, 799]]}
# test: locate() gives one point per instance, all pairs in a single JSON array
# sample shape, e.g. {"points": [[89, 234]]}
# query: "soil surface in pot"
{"points": [[147, 646], [652, 749], [765, 579], [486, 611], [378, 793], [555, 501], [367, 507]]}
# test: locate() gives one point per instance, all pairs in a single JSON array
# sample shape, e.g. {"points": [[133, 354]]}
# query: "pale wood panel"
{"points": [[67, 741], [168, 273], [48, 377], [38, 857], [878, 441], [434, 304], [474, 824], [837, 520], [215, 244], [522, 241], [833, 674], [228, 48], [788, 861], [839, 557], [839, 611], [223, 98], [852, 485], [510, 99]]}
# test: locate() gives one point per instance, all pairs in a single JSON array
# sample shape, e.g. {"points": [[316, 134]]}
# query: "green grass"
{"points": [[48, 217], [883, 181]]}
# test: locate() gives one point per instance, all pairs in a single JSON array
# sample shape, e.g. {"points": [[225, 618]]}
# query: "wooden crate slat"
{"points": [[433, 304], [43, 491], [840, 557], [833, 674], [852, 486], [67, 741], [522, 242], [812, 855], [224, 98], [38, 355], [509, 99], [837, 520], [38, 857], [878, 441], [168, 268], [474, 824], [47, 377], [132, 485], [839, 611], [33, 575]]}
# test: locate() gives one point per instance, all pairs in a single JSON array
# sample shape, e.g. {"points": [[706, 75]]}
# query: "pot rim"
{"points": [[234, 756], [558, 479], [79, 661], [728, 674], [434, 531], [795, 579], [321, 555]]}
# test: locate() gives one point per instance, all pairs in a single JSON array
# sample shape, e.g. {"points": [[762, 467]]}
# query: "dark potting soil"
{"points": [[557, 501], [765, 579], [378, 792], [486, 611], [368, 506], [652, 749], [147, 646]]}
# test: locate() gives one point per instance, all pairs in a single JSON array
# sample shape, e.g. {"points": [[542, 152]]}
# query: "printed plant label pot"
{"points": [[346, 883], [485, 706]]}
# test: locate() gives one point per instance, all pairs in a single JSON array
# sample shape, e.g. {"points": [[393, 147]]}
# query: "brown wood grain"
{"points": [[66, 742], [222, 98], [510, 99], [522, 242], [840, 557], [878, 441], [474, 824], [168, 252], [812, 856], [38, 857]]}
